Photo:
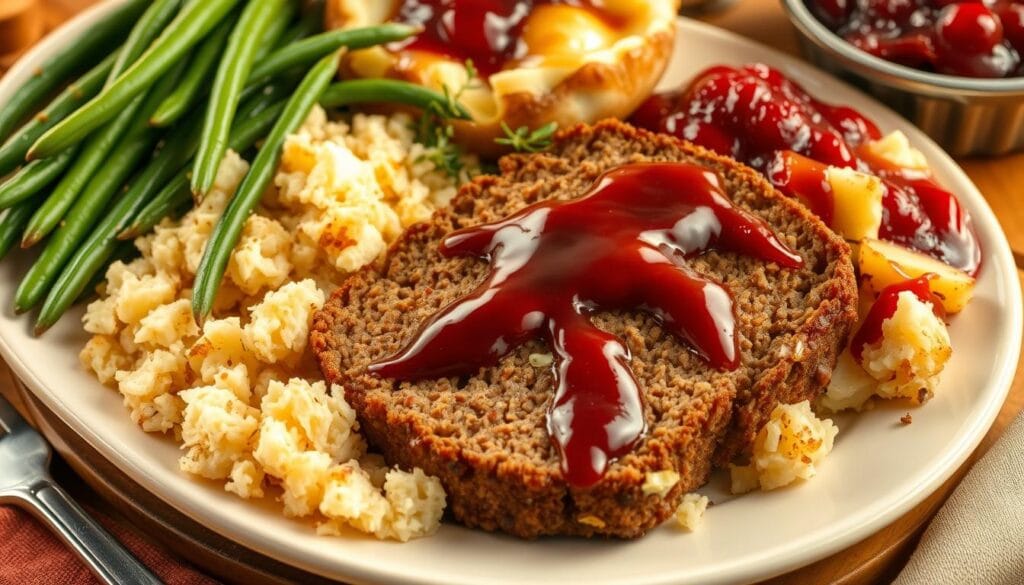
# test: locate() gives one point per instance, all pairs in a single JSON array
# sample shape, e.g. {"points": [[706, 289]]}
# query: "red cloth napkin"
{"points": [[30, 553]]}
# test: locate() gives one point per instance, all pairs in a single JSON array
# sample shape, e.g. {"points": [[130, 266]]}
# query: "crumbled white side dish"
{"points": [[905, 363], [913, 351], [241, 394], [789, 447], [850, 387], [690, 513]]}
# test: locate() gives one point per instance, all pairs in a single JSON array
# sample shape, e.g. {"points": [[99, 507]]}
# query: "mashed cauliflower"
{"points": [[787, 448], [241, 394]]}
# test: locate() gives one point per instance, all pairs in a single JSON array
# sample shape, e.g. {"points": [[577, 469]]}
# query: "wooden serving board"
{"points": [[877, 559]]}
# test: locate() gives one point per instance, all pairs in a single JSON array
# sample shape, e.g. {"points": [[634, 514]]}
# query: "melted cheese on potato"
{"points": [[559, 39], [558, 35]]}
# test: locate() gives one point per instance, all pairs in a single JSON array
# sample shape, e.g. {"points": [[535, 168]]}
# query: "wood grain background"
{"points": [[878, 558]]}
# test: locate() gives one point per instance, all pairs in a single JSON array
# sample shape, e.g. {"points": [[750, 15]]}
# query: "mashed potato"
{"points": [[905, 363], [241, 394], [690, 512], [787, 448], [913, 351], [850, 387]]}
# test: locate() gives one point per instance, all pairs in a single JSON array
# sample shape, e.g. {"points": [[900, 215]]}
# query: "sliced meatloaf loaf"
{"points": [[484, 435]]}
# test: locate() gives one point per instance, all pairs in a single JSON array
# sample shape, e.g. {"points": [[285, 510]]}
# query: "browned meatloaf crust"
{"points": [[484, 436]]}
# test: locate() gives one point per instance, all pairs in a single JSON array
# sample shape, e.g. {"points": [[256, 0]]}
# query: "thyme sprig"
{"points": [[523, 139], [436, 132]]}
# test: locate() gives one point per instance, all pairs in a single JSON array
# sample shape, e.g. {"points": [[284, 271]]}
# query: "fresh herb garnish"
{"points": [[442, 150], [522, 139], [437, 134]]}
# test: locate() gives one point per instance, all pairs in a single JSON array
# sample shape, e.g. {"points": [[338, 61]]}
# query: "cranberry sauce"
{"points": [[621, 246], [920, 214], [885, 307], [756, 115], [752, 112], [806, 179], [486, 32], [967, 38]]}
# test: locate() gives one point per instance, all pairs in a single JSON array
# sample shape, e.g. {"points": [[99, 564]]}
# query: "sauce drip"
{"points": [[870, 331], [806, 179], [486, 32], [620, 246], [758, 116]]}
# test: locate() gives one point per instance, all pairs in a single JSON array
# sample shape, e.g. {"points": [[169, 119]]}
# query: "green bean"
{"points": [[274, 32], [306, 51], [96, 151], [358, 91], [124, 252], [232, 74], [193, 85], [98, 145], [89, 257], [73, 57], [89, 207], [172, 157], [262, 119], [34, 177], [177, 192], [255, 117], [189, 27], [12, 153], [257, 98], [68, 235], [145, 30], [311, 20], [13, 223], [227, 231], [90, 158]]}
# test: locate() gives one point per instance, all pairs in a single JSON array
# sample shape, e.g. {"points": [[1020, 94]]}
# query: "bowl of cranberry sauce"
{"points": [[955, 69]]}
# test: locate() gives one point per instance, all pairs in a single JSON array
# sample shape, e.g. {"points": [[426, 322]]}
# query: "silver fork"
{"points": [[25, 481]]}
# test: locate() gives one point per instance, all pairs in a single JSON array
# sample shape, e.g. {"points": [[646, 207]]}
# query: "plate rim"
{"points": [[768, 564]]}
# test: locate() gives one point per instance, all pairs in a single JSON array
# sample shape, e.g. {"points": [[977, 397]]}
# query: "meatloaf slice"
{"points": [[484, 435]]}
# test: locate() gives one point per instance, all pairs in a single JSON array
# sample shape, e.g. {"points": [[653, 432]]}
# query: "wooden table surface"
{"points": [[878, 558]]}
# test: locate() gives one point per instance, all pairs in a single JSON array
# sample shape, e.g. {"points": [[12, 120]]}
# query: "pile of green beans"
{"points": [[232, 74], [66, 63], [145, 116]]}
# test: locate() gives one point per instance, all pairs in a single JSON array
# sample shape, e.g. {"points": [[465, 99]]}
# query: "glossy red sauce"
{"points": [[756, 115], [806, 179], [487, 32], [621, 246], [870, 331]]}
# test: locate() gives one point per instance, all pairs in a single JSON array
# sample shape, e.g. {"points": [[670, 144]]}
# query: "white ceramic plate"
{"points": [[878, 471]]}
